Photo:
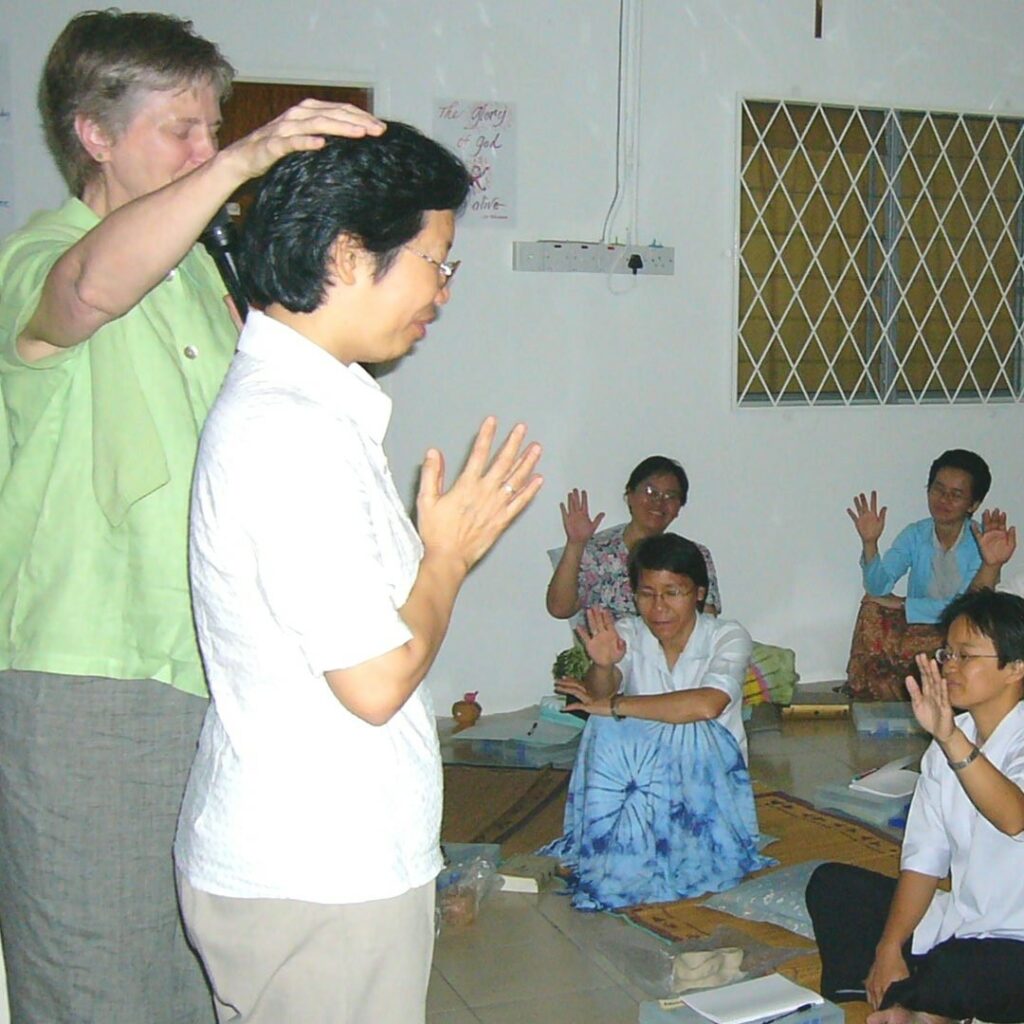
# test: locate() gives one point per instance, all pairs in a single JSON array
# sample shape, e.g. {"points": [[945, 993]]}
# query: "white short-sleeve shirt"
{"points": [[716, 655], [301, 555], [947, 834]]}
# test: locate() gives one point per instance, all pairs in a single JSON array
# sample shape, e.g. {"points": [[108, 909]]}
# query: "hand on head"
{"points": [[301, 127], [465, 521], [867, 518], [579, 527]]}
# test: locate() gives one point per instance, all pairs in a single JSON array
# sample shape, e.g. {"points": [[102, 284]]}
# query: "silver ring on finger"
{"points": [[508, 489]]}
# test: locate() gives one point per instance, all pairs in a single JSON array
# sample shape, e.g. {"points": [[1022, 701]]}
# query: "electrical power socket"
{"points": [[593, 258]]}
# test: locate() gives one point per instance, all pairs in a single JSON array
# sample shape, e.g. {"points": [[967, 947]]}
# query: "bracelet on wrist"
{"points": [[613, 706], [959, 766]]}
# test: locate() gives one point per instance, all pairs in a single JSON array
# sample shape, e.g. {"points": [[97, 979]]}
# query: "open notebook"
{"points": [[760, 999], [892, 779]]}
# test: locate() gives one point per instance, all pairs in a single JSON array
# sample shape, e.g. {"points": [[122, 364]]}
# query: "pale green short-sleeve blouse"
{"points": [[97, 446]]}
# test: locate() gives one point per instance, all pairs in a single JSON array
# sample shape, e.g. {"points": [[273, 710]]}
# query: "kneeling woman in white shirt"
{"points": [[660, 805], [917, 954]]}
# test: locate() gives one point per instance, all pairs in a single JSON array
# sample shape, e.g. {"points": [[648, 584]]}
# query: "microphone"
{"points": [[218, 237]]}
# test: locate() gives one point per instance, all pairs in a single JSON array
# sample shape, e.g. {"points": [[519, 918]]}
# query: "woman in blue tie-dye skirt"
{"points": [[660, 805]]}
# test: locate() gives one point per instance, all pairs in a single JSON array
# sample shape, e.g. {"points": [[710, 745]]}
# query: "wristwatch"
{"points": [[613, 706], [959, 766]]}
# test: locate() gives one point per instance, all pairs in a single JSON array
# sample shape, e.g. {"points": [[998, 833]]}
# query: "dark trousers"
{"points": [[959, 978], [91, 777]]}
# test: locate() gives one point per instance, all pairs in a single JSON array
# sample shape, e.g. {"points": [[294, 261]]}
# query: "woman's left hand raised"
{"points": [[603, 644], [930, 700], [996, 541]]}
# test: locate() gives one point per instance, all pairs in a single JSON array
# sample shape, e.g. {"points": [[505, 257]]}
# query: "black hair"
{"points": [[972, 464], [655, 465], [668, 552], [374, 189], [996, 615]]}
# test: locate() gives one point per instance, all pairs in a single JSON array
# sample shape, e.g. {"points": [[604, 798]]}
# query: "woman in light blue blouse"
{"points": [[940, 554]]}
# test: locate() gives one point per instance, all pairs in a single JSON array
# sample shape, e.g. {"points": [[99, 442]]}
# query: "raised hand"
{"points": [[464, 521], [579, 527], [993, 519], [930, 700], [604, 645], [301, 127], [869, 521], [996, 542]]}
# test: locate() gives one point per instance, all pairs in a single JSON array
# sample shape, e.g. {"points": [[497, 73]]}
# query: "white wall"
{"points": [[605, 379]]}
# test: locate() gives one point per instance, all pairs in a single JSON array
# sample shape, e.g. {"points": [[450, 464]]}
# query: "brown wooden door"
{"points": [[252, 104]]}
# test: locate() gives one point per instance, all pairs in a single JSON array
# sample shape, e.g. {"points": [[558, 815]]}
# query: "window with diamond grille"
{"points": [[879, 255]]}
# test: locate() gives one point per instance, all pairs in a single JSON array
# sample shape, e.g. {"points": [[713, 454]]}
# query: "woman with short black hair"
{"points": [[660, 803], [917, 954], [308, 843], [941, 558]]}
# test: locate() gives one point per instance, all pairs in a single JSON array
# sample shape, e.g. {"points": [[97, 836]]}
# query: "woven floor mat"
{"points": [[520, 808], [803, 833]]}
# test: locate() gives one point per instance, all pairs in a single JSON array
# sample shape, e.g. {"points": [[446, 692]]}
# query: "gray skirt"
{"points": [[92, 773]]}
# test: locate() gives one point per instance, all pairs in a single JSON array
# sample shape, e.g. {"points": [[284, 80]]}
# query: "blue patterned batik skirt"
{"points": [[656, 812]]}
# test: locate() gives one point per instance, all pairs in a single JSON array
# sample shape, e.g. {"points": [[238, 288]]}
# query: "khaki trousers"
{"points": [[283, 961]]}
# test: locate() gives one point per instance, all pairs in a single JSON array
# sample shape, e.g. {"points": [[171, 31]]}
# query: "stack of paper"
{"points": [[528, 872], [747, 1002], [892, 779]]}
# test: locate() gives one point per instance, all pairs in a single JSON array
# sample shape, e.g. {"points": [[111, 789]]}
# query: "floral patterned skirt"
{"points": [[656, 812], [883, 650]]}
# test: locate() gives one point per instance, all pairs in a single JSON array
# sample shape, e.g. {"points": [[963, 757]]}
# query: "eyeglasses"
{"points": [[947, 656], [955, 496], [447, 269], [651, 493], [668, 594]]}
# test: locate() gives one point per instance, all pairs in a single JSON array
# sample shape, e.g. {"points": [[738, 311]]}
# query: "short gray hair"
{"points": [[104, 62]]}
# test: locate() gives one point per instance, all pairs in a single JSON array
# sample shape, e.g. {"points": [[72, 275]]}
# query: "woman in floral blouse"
{"points": [[591, 570]]}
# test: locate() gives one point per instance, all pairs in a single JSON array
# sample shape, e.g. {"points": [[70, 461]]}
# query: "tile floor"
{"points": [[533, 960]]}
